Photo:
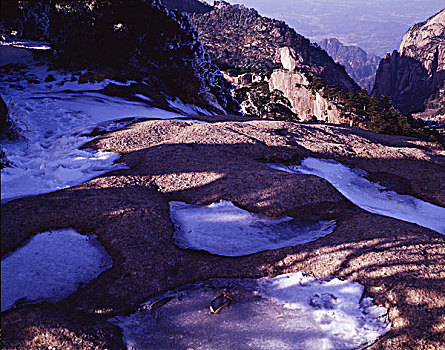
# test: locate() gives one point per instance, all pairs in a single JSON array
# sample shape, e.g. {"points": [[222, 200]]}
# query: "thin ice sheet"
{"points": [[224, 229], [50, 266], [290, 311], [370, 196]]}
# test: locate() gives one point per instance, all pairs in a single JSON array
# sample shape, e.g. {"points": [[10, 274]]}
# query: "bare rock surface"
{"points": [[400, 264], [288, 58], [305, 104]]}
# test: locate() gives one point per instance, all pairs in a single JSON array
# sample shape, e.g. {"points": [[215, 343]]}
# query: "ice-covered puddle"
{"points": [[224, 229], [57, 113], [50, 266], [371, 196], [291, 311]]}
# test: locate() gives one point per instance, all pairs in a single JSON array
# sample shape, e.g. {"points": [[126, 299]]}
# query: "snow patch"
{"points": [[58, 114], [224, 229], [369, 196], [290, 311], [187, 109], [50, 266], [25, 44]]}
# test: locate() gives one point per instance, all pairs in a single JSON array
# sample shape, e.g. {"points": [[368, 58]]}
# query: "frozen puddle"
{"points": [[370, 196], [290, 311], [50, 266], [224, 229]]}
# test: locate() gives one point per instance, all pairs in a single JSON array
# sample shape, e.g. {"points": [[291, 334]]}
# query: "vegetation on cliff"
{"points": [[139, 40], [256, 100], [374, 113], [240, 39]]}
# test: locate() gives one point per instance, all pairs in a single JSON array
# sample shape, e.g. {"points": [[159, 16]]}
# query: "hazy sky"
{"points": [[375, 25]]}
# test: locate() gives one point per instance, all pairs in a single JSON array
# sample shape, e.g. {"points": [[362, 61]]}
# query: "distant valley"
{"points": [[360, 65], [375, 26]]}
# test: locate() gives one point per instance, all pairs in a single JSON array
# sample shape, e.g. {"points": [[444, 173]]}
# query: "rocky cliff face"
{"points": [[111, 36], [414, 76], [239, 38], [307, 105], [306, 102], [360, 65]]}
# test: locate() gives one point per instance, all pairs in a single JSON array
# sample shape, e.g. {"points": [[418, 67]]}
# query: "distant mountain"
{"points": [[414, 76], [360, 65], [375, 26], [139, 40], [238, 38]]}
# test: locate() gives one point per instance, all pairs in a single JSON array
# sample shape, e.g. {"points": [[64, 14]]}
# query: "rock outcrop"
{"points": [[400, 264], [111, 37], [3, 114], [257, 100], [288, 58], [360, 65], [308, 105], [241, 39], [414, 76]]}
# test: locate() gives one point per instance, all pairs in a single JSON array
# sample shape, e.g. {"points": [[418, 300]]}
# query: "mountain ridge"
{"points": [[360, 65], [414, 76], [239, 38]]}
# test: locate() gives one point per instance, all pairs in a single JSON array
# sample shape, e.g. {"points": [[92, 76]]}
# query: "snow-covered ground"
{"points": [[370, 196], [50, 266], [224, 229], [290, 311], [56, 116]]}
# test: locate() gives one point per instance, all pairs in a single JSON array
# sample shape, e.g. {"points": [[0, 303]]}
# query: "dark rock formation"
{"points": [[3, 114], [360, 65], [111, 36], [239, 38], [414, 76]]}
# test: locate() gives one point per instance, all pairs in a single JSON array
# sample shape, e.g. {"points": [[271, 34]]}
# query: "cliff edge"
{"points": [[414, 76]]}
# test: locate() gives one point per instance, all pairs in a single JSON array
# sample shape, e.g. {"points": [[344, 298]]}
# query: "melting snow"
{"points": [[290, 311], [370, 196], [50, 266], [187, 108], [57, 115], [224, 229], [24, 43]]}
